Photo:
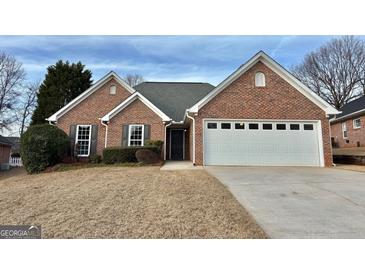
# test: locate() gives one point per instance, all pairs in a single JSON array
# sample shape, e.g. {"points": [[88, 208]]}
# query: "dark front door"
{"points": [[177, 144]]}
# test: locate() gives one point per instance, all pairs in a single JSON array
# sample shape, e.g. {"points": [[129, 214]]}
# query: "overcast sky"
{"points": [[157, 58]]}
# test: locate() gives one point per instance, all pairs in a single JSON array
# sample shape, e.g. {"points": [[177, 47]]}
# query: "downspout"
{"points": [[193, 119], [164, 143], [106, 132]]}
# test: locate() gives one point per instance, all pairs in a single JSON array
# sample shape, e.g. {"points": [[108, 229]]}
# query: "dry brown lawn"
{"points": [[125, 202]]}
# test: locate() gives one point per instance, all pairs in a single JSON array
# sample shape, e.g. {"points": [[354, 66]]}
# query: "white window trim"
{"points": [[130, 133], [343, 129], [257, 82], [114, 87], [354, 124], [77, 139]]}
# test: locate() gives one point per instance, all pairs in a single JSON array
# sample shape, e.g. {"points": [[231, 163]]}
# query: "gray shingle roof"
{"points": [[173, 98], [353, 106], [5, 141]]}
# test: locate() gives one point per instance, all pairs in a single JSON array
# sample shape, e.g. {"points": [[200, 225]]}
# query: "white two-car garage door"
{"points": [[262, 143]]}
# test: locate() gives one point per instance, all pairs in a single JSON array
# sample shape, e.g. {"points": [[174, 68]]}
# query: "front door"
{"points": [[177, 144]]}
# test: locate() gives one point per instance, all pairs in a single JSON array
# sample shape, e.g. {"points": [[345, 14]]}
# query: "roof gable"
{"points": [[278, 69], [131, 99], [88, 92]]}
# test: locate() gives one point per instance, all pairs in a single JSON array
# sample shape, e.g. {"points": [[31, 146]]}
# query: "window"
{"points": [[308, 127], [259, 79], [239, 126], [253, 126], [212, 125], [135, 135], [294, 126], [280, 126], [267, 126], [113, 89], [225, 125], [357, 123], [344, 130], [83, 138]]}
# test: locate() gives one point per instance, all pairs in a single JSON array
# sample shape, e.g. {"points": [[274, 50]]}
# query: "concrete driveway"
{"points": [[300, 202]]}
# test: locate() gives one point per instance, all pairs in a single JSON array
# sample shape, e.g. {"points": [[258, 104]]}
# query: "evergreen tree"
{"points": [[63, 82]]}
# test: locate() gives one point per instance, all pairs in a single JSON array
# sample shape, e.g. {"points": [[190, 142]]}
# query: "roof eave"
{"points": [[347, 116], [54, 117], [131, 99]]}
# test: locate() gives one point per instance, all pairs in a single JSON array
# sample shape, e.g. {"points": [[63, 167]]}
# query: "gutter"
{"points": [[347, 116], [193, 119], [164, 143], [106, 132]]}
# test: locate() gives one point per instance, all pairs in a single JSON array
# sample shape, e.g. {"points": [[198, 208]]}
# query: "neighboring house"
{"points": [[5, 147], [259, 115], [348, 127], [16, 147]]}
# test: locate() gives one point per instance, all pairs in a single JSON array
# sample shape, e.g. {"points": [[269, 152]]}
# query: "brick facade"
{"points": [[355, 136], [99, 104], [92, 108], [135, 113], [4, 154], [277, 100]]}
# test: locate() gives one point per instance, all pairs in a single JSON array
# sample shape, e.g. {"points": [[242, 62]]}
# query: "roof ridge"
{"points": [[175, 82]]}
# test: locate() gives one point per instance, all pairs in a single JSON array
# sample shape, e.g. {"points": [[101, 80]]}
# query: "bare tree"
{"points": [[27, 105], [11, 78], [335, 71], [133, 79]]}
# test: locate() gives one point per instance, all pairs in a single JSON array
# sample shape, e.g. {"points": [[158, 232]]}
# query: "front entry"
{"points": [[177, 140]]}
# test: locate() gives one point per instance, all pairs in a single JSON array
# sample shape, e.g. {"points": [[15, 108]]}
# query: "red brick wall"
{"points": [[354, 135], [92, 108], [4, 154], [277, 100], [135, 113]]}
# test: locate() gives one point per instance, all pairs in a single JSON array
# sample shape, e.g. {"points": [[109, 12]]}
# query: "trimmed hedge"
{"points": [[42, 146], [112, 155]]}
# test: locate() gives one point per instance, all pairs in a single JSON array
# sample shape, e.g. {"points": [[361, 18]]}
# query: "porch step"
{"points": [[179, 165]]}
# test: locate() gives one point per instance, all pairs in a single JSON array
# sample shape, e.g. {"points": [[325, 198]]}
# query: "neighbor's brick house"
{"points": [[259, 115], [5, 149], [348, 127]]}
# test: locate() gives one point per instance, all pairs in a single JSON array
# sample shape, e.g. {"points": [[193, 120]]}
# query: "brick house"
{"points": [[5, 148], [259, 115], [348, 127]]}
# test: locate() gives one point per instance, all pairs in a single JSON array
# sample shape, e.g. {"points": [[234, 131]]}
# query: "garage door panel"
{"points": [[261, 147]]}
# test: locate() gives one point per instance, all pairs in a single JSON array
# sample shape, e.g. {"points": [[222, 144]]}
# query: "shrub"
{"points": [[113, 155], [95, 159], [42, 146], [157, 143], [15, 154], [147, 156]]}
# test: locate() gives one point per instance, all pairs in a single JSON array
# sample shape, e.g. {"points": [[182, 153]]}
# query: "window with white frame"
{"points": [[83, 140], [357, 123], [344, 130], [135, 137], [260, 79], [113, 89]]}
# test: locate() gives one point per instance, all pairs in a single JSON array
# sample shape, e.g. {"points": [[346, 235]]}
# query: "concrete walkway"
{"points": [[179, 165], [293, 202]]}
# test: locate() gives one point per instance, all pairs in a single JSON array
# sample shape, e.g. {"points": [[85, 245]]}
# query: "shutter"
{"points": [[125, 135], [72, 136], [94, 139], [147, 133]]}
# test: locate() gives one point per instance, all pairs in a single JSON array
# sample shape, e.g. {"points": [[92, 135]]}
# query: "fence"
{"points": [[15, 161]]}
